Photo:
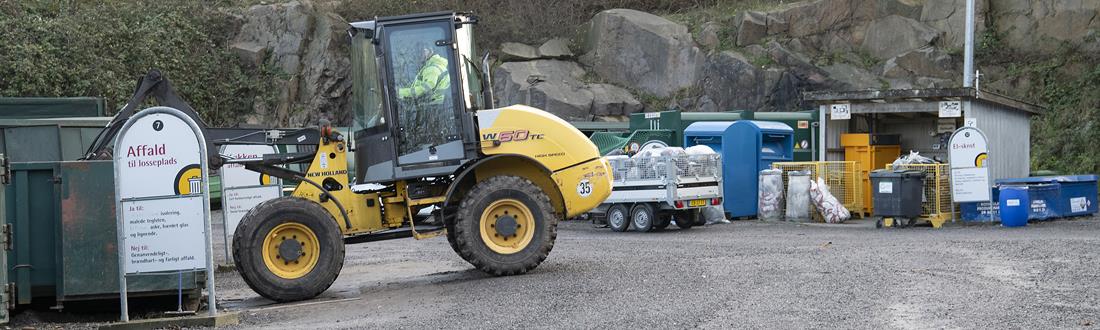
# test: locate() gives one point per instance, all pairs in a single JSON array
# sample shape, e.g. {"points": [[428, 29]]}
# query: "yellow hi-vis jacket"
{"points": [[432, 82]]}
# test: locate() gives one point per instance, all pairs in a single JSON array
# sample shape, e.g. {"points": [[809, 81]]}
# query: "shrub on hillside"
{"points": [[100, 48]]}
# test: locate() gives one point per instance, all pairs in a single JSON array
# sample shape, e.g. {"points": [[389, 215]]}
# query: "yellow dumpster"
{"points": [[870, 152]]}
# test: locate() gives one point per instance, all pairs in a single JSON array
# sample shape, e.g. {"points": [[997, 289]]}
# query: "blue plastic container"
{"points": [[1062, 195], [1043, 198], [747, 147], [1015, 204]]}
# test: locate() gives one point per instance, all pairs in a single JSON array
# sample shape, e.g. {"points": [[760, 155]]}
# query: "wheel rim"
{"points": [[507, 226], [617, 218], [641, 219], [291, 250]]}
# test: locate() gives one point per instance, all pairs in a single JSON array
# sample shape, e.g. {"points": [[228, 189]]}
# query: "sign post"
{"points": [[162, 199], [242, 189], [968, 151]]}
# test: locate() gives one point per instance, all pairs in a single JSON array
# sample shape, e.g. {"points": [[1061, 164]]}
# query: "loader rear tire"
{"points": [[288, 249], [505, 226]]}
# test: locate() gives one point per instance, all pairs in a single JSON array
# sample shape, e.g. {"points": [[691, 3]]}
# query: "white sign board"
{"points": [[1078, 204], [158, 157], [162, 198], [886, 187], [968, 151], [970, 184], [235, 175], [968, 148], [841, 111], [160, 234], [238, 201], [158, 170], [242, 189], [950, 109]]}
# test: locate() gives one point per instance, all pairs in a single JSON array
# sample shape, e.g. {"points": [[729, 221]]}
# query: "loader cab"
{"points": [[415, 88]]}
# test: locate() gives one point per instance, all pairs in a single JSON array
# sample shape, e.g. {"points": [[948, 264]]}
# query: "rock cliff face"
{"points": [[307, 46], [624, 61]]}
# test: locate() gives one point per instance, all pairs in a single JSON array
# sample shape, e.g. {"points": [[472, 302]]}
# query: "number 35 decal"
{"points": [[584, 188]]}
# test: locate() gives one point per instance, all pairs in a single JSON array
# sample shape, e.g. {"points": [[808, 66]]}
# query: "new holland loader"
{"points": [[426, 137]]}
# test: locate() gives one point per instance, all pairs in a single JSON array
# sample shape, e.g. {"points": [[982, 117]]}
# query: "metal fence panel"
{"points": [[937, 205], [842, 177]]}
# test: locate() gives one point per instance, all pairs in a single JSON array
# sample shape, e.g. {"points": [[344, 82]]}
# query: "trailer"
{"points": [[650, 191]]}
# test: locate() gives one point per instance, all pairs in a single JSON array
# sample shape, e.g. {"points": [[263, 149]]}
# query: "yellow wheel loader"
{"points": [[431, 157]]}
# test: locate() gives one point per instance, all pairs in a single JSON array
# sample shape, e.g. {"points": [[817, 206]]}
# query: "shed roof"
{"points": [[930, 94]]}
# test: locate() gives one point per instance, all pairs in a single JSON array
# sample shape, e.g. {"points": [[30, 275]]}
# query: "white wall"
{"points": [[1009, 135]]}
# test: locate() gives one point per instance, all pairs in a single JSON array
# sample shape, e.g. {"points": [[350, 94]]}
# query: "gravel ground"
{"points": [[748, 274]]}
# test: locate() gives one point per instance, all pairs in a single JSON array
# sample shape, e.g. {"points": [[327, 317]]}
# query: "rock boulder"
{"points": [[893, 35], [514, 51], [555, 48], [309, 46], [924, 62], [949, 16], [850, 77], [731, 81], [708, 35], [611, 100], [642, 51], [1042, 26], [556, 86]]}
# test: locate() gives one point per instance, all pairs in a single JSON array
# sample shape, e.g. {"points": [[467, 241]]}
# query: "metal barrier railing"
{"points": [[842, 177], [936, 205], [661, 167]]}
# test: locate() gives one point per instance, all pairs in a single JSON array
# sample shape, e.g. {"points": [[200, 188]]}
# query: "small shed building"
{"points": [[923, 120]]}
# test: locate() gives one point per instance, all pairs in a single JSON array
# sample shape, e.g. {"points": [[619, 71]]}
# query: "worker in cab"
{"points": [[425, 117], [432, 82]]}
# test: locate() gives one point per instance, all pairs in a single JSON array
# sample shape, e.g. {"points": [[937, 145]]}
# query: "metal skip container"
{"points": [[64, 248]]}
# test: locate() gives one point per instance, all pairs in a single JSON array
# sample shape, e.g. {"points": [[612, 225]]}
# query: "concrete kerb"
{"points": [[220, 320]]}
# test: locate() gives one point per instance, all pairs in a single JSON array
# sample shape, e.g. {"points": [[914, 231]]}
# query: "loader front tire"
{"points": [[288, 249], [505, 226]]}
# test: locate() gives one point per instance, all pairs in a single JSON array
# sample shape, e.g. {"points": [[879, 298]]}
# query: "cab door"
{"points": [[425, 97]]}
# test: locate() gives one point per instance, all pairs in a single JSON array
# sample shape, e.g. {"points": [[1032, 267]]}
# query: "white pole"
{"points": [[968, 52], [821, 143]]}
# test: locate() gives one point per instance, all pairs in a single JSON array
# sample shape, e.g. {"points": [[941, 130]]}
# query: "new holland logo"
{"points": [[189, 180]]}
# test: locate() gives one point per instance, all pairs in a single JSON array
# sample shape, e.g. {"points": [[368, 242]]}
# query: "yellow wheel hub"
{"points": [[507, 226], [290, 250]]}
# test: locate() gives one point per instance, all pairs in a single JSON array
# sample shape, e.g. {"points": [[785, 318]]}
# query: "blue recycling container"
{"points": [[1059, 196], [747, 147], [1078, 195], [1015, 204]]}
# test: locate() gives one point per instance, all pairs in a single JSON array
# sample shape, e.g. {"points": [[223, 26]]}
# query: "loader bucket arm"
{"points": [[155, 85]]}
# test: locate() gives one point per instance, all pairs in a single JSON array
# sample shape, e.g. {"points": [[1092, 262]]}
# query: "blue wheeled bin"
{"points": [[746, 147]]}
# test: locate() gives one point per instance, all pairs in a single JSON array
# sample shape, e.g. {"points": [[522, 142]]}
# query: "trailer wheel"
{"points": [[684, 220], [288, 249], [664, 218], [697, 216], [505, 226], [642, 217], [618, 217]]}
